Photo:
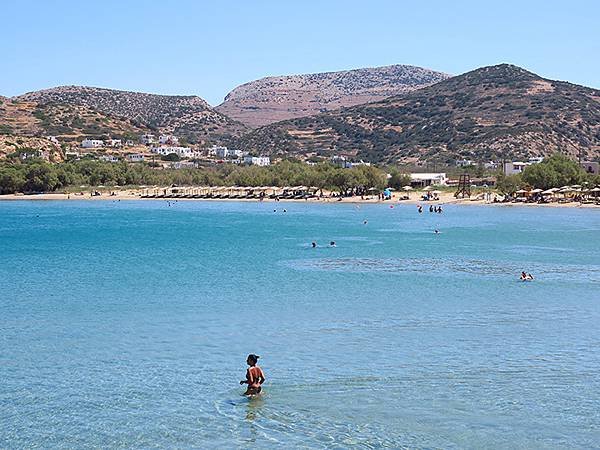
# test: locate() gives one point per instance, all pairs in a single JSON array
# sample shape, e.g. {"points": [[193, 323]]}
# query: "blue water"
{"points": [[127, 325]]}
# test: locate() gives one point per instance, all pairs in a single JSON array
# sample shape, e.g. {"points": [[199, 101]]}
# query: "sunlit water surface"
{"points": [[127, 324]]}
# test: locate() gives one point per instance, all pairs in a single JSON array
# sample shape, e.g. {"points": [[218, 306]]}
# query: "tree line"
{"points": [[553, 172], [37, 175]]}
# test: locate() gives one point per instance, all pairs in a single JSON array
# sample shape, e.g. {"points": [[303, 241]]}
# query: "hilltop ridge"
{"points": [[272, 99]]}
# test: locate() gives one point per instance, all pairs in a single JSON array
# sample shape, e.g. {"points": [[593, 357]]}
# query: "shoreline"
{"points": [[444, 199]]}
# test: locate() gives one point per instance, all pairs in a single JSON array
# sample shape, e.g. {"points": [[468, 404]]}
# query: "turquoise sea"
{"points": [[127, 325]]}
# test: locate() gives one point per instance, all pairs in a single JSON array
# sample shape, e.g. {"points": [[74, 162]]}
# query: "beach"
{"points": [[443, 198]]}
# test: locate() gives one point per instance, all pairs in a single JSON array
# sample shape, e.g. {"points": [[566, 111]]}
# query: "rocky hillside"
{"points": [[273, 99], [490, 113], [23, 118], [186, 116]]}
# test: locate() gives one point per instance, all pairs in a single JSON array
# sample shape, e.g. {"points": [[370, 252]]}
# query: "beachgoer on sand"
{"points": [[255, 377]]}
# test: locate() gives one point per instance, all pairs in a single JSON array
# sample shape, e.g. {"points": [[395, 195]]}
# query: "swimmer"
{"points": [[285, 210], [365, 222], [274, 210], [255, 377], [313, 244], [332, 244], [437, 231]]}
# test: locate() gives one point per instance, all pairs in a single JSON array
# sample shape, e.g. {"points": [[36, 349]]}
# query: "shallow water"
{"points": [[127, 324]]}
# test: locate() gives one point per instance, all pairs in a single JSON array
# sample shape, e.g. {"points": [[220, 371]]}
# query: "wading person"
{"points": [[254, 376]]}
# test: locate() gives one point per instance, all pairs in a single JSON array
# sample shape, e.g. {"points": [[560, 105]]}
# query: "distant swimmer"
{"points": [[432, 209], [332, 244], [285, 210], [274, 210], [313, 244], [255, 377], [365, 222], [526, 277], [437, 231]]}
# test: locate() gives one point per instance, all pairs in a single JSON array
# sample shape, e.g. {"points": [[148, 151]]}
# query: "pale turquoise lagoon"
{"points": [[127, 324]]}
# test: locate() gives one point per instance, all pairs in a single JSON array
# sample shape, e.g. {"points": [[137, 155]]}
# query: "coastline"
{"points": [[445, 198]]}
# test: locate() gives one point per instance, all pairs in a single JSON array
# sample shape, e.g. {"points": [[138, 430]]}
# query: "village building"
{"points": [[428, 179], [182, 152], [257, 160], [168, 139], [135, 157], [92, 143], [109, 158], [147, 139]]}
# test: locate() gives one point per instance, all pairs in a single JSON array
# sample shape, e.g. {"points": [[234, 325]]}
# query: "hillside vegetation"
{"points": [[186, 116], [490, 113]]}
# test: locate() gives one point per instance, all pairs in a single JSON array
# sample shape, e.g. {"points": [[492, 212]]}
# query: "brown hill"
{"points": [[186, 116], [23, 118], [273, 99], [490, 113]]}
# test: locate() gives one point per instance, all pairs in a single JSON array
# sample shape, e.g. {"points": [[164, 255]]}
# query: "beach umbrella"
{"points": [[436, 192], [576, 186], [427, 188], [407, 188], [521, 191], [536, 191], [372, 189], [548, 192], [596, 189]]}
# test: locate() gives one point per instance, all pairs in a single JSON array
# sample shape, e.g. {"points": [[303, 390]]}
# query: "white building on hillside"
{"points": [[147, 139], [182, 152], [109, 158], [168, 139], [135, 157], [92, 143], [114, 143], [257, 160], [428, 179]]}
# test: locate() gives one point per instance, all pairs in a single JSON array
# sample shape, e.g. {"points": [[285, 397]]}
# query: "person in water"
{"points": [[255, 377], [332, 244], [313, 244]]}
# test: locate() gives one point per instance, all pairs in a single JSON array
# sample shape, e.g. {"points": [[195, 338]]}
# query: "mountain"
{"points": [[493, 112], [186, 116], [273, 99]]}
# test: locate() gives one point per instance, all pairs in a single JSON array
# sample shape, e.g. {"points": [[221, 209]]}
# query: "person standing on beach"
{"points": [[255, 377]]}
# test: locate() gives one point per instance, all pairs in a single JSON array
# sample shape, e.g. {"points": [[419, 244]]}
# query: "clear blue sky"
{"points": [[207, 48]]}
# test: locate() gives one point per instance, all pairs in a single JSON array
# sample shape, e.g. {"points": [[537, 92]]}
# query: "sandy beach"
{"points": [[444, 198]]}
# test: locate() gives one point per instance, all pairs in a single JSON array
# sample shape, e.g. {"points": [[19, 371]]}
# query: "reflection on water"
{"points": [[441, 266]]}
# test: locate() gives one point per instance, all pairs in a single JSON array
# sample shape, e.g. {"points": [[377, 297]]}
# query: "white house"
{"points": [[464, 163], [92, 143], [114, 143], [428, 179], [109, 158], [515, 167], [182, 152], [257, 160], [135, 157], [168, 139], [147, 139]]}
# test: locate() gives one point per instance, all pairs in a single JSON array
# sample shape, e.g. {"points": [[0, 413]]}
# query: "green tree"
{"points": [[555, 171], [508, 184]]}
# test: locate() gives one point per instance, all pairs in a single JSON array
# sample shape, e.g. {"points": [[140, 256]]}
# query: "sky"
{"points": [[204, 48]]}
